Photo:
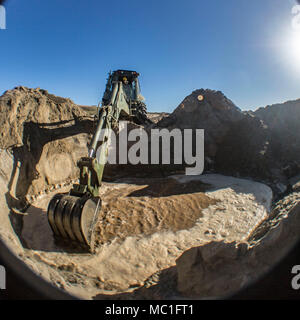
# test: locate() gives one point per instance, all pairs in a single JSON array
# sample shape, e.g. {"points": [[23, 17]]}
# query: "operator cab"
{"points": [[120, 74], [130, 83]]}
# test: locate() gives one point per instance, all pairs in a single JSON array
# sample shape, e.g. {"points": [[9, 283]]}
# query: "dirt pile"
{"points": [[157, 205], [283, 122], [205, 109], [246, 150], [264, 144], [23, 105], [46, 135]]}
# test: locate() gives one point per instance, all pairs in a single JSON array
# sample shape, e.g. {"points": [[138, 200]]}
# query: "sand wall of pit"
{"points": [[56, 168], [45, 136], [7, 232], [42, 138]]}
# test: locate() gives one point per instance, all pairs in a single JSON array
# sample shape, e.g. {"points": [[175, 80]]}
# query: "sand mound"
{"points": [[23, 106], [264, 144], [213, 112], [283, 122], [46, 135]]}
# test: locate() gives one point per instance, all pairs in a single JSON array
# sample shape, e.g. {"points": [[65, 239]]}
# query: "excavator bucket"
{"points": [[73, 218]]}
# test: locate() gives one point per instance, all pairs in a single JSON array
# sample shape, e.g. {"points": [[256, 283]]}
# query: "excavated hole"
{"points": [[145, 225]]}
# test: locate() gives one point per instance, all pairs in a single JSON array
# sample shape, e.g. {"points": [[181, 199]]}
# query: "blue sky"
{"points": [[68, 47]]}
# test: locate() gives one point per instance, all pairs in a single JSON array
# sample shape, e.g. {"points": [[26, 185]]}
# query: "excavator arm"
{"points": [[73, 216]]}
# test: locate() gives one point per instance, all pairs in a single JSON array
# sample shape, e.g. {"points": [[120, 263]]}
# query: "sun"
{"points": [[289, 48], [294, 46], [288, 43]]}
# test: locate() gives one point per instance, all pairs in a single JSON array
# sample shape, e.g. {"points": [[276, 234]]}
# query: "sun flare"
{"points": [[289, 48], [294, 46]]}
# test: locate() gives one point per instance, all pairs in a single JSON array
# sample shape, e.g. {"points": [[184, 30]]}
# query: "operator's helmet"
{"points": [[125, 80]]}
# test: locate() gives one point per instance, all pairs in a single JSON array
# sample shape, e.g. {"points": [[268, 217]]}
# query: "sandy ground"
{"points": [[145, 225]]}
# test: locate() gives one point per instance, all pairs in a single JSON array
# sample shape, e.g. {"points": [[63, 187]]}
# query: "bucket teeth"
{"points": [[73, 218]]}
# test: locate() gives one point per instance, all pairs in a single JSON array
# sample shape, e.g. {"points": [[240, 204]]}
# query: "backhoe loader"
{"points": [[72, 216]]}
